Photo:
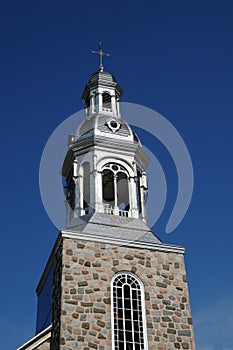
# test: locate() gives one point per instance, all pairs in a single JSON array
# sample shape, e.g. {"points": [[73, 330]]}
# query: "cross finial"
{"points": [[101, 54]]}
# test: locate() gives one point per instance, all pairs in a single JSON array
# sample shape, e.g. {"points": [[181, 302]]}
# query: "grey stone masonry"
{"points": [[82, 295]]}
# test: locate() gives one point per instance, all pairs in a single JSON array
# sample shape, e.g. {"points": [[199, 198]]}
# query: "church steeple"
{"points": [[105, 164], [109, 282]]}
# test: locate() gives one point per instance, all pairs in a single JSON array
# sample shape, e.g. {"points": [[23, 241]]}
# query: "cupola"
{"points": [[104, 169]]}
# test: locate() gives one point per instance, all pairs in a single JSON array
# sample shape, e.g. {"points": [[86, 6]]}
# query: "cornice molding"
{"points": [[78, 235], [107, 240]]}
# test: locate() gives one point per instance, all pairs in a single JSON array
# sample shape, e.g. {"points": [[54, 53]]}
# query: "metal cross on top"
{"points": [[101, 54]]}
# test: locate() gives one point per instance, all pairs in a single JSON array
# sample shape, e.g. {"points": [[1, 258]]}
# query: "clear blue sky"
{"points": [[172, 56]]}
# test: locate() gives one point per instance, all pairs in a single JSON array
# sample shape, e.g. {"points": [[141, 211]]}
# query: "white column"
{"points": [[93, 182], [115, 194], [92, 104], [99, 206], [75, 169], [99, 102], [118, 113], [143, 191], [113, 103], [133, 198], [80, 186], [130, 197]]}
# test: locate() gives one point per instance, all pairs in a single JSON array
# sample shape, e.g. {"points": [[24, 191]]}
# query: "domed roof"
{"points": [[102, 75], [101, 78], [103, 119], [107, 126]]}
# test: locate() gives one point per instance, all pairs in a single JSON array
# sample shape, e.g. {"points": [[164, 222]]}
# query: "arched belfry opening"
{"points": [[107, 104], [108, 187], [115, 189], [69, 190], [88, 104], [86, 188], [122, 191]]}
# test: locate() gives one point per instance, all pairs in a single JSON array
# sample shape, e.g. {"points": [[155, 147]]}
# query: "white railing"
{"points": [[108, 209], [124, 213]]}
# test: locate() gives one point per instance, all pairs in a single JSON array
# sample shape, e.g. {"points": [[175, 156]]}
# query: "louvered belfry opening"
{"points": [[107, 101]]}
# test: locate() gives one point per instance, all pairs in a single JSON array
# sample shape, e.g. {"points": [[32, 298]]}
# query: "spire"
{"points": [[101, 54]]}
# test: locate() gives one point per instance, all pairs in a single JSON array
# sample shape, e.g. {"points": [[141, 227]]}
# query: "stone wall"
{"points": [[85, 318]]}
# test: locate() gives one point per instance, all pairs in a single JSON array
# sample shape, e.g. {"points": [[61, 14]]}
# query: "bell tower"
{"points": [[110, 283], [105, 165]]}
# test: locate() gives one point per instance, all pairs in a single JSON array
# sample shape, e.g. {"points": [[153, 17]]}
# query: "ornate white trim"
{"points": [[109, 240]]}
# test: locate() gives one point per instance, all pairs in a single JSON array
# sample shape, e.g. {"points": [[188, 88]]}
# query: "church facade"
{"points": [[110, 283]]}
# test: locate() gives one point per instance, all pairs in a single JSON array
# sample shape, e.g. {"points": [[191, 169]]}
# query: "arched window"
{"points": [[108, 186], [122, 191], [86, 188], [128, 312], [106, 101], [69, 189], [70, 194], [88, 102], [115, 187], [87, 105]]}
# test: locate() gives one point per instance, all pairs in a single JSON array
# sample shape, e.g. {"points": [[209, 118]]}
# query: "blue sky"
{"points": [[172, 56]]}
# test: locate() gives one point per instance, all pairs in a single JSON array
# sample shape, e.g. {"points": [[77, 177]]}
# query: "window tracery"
{"points": [[128, 312], [115, 187]]}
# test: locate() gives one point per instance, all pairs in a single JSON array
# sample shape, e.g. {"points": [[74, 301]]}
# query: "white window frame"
{"points": [[121, 169], [143, 310]]}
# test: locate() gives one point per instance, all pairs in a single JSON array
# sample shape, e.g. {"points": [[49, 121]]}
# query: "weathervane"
{"points": [[101, 54]]}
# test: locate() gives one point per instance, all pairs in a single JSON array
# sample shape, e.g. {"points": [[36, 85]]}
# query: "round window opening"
{"points": [[115, 167], [113, 124]]}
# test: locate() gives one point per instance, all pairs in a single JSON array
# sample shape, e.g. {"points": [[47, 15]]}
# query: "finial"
{"points": [[101, 54]]}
